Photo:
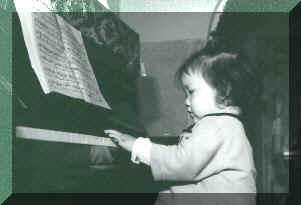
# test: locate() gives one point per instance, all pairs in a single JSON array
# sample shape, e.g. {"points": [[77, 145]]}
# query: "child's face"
{"points": [[200, 97]]}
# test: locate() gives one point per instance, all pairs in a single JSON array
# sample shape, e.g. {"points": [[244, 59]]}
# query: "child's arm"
{"points": [[186, 162], [194, 159]]}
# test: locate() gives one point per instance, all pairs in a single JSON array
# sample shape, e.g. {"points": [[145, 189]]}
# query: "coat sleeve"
{"points": [[186, 161]]}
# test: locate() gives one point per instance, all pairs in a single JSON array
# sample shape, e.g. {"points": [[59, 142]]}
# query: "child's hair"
{"points": [[232, 78]]}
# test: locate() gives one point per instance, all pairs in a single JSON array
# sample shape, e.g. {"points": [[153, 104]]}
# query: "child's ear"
{"points": [[226, 101], [228, 91]]}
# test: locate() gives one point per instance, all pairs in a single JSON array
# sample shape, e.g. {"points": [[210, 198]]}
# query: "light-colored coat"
{"points": [[215, 158]]}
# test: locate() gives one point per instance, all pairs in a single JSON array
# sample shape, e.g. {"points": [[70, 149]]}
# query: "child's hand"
{"points": [[123, 140]]}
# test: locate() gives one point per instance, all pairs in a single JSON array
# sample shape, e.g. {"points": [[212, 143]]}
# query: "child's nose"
{"points": [[187, 102], [188, 108]]}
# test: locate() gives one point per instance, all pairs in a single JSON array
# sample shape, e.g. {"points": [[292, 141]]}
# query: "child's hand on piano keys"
{"points": [[123, 140]]}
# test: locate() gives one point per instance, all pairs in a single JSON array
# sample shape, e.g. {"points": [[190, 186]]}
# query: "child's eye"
{"points": [[190, 91]]}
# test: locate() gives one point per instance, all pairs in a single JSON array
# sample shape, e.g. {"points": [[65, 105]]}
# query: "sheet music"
{"points": [[27, 26], [54, 60], [58, 55], [80, 65]]}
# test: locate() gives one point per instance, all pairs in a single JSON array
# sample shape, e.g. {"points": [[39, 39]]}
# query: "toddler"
{"points": [[216, 157]]}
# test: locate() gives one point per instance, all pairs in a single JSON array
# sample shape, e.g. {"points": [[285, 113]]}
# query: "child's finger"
{"points": [[114, 132], [114, 135], [115, 140], [111, 133]]}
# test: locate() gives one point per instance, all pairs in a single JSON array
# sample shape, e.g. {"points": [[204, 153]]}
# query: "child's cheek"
{"points": [[196, 105]]}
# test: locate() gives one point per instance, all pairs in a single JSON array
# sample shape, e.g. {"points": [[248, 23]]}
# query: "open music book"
{"points": [[58, 56]]}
